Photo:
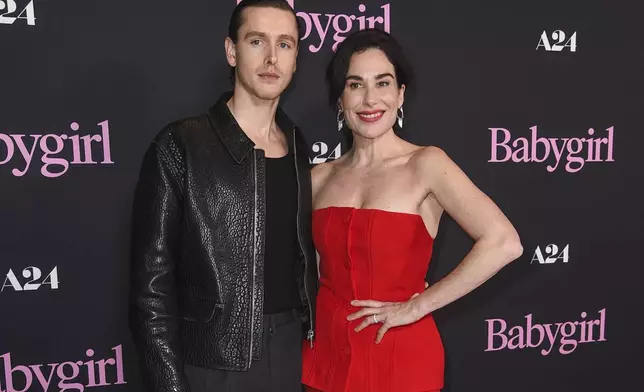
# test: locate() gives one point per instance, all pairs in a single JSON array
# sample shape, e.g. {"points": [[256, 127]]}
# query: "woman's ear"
{"points": [[401, 95]]}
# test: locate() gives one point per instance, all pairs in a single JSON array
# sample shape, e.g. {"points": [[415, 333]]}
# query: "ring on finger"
{"points": [[375, 320]]}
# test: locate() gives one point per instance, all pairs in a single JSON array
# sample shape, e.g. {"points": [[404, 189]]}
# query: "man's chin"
{"points": [[269, 93]]}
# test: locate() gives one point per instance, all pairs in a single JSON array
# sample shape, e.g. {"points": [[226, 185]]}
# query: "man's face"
{"points": [[265, 54]]}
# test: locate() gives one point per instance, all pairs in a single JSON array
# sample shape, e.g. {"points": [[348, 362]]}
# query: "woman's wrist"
{"points": [[422, 305]]}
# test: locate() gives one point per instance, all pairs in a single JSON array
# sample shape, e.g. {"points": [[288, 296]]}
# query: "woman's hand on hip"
{"points": [[389, 314]]}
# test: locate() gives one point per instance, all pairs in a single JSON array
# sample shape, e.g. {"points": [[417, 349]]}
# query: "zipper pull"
{"points": [[309, 336]]}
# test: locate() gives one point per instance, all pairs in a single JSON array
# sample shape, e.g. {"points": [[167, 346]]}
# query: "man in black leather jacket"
{"points": [[223, 268]]}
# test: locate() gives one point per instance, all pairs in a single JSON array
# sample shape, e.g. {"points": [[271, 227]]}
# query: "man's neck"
{"points": [[255, 116]]}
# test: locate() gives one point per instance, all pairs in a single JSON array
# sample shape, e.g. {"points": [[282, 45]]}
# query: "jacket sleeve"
{"points": [[153, 310]]}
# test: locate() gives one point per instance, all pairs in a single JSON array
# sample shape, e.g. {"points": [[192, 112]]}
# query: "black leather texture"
{"points": [[197, 247]]}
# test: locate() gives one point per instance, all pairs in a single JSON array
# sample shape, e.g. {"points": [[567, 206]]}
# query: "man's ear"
{"points": [[231, 53]]}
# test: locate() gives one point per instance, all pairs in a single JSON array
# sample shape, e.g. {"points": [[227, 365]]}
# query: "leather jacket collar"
{"points": [[233, 137]]}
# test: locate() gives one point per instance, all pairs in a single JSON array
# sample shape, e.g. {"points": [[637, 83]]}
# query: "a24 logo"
{"points": [[323, 154], [33, 273], [558, 38], [552, 254], [9, 7]]}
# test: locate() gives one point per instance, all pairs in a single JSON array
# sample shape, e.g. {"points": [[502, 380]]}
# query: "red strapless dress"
{"points": [[379, 255]]}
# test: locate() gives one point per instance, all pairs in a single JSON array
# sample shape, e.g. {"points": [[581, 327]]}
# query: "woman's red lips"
{"points": [[370, 115]]}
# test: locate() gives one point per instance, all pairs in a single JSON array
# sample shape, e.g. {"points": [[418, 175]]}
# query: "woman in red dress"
{"points": [[376, 213]]}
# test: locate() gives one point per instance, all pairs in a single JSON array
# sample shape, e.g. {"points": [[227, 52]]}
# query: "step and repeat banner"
{"points": [[540, 102]]}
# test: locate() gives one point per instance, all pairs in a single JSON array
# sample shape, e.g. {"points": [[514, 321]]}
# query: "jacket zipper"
{"points": [[252, 286], [311, 333]]}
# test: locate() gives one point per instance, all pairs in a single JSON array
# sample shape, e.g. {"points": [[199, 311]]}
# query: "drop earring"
{"points": [[401, 117], [340, 120]]}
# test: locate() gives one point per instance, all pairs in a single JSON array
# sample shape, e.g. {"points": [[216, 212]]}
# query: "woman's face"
{"points": [[371, 96]]}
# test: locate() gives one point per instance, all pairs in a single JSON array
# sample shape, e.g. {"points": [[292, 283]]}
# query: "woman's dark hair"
{"points": [[356, 43]]}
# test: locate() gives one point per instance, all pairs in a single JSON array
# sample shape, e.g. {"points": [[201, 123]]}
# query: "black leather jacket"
{"points": [[197, 251]]}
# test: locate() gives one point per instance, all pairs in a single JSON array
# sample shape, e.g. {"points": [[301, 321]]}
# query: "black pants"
{"points": [[280, 367]]}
